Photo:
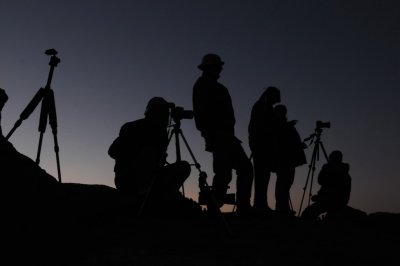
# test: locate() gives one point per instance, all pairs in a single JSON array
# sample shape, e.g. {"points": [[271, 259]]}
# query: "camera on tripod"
{"points": [[321, 124], [178, 113], [54, 60]]}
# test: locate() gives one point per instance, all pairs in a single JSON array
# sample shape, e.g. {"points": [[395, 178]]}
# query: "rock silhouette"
{"points": [[52, 223]]}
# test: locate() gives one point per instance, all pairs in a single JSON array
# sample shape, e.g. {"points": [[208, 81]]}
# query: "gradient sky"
{"points": [[336, 61]]}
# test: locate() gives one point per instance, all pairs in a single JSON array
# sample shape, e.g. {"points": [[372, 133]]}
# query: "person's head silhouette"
{"points": [[157, 111], [211, 64], [336, 157], [271, 95]]}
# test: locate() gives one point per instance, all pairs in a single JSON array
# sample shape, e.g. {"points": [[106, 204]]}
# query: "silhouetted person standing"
{"points": [[3, 100], [261, 144], [215, 119], [334, 193], [288, 154], [140, 157]]}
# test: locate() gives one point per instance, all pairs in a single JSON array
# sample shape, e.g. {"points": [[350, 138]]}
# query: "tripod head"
{"points": [[317, 132], [54, 60]]}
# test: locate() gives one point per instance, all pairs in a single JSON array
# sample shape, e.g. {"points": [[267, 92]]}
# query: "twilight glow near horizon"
{"points": [[336, 61]]}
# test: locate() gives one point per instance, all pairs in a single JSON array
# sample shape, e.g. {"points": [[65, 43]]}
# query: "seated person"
{"points": [[141, 173], [334, 193]]}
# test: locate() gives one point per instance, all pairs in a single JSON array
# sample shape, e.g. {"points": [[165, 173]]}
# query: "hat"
{"points": [[210, 60]]}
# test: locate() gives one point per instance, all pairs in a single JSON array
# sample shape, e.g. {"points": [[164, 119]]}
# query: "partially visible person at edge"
{"points": [[3, 100]]}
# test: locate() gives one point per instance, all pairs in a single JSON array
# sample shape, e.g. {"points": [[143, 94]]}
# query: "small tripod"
{"points": [[47, 112], [316, 139]]}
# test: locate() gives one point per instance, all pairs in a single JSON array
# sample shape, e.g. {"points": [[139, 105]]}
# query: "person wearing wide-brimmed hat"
{"points": [[215, 119]]}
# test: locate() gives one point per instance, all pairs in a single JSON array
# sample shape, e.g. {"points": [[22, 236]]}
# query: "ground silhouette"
{"points": [[52, 223]]}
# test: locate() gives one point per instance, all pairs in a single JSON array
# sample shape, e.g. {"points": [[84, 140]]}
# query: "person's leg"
{"points": [[261, 180], [244, 171], [222, 166], [284, 181]]}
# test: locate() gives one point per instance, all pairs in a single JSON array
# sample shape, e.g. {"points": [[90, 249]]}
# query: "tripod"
{"points": [[47, 113], [316, 139]]}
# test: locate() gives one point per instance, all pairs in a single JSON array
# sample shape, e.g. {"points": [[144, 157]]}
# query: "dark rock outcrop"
{"points": [[52, 223]]}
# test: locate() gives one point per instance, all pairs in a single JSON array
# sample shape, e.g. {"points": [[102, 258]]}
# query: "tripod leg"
{"points": [[39, 148], [311, 168], [56, 149], [53, 124], [311, 185], [318, 144], [190, 151], [28, 110], [44, 112], [176, 131], [323, 150]]}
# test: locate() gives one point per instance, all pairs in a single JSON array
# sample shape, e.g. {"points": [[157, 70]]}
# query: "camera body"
{"points": [[321, 124], [178, 113]]}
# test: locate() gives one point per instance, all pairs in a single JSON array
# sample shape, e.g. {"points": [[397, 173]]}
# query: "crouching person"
{"points": [[334, 193], [141, 173]]}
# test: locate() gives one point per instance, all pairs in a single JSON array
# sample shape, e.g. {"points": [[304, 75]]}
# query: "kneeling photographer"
{"points": [[334, 193], [141, 173]]}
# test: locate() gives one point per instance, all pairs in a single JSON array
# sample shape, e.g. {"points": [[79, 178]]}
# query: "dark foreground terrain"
{"points": [[45, 222], [128, 240]]}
